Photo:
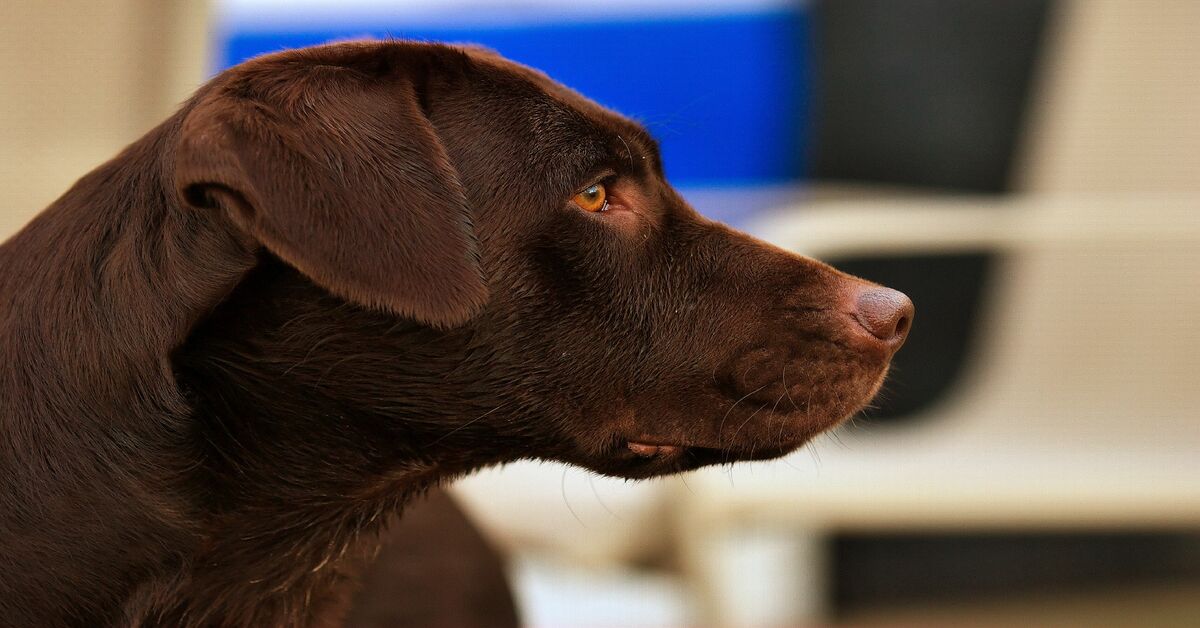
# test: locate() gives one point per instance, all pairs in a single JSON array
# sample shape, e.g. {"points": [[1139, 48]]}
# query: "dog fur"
{"points": [[340, 275]]}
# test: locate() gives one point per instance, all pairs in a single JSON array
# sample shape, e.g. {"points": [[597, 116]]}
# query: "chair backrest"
{"points": [[1093, 329], [1115, 111], [927, 94]]}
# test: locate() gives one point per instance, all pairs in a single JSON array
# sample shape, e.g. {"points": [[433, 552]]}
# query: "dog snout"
{"points": [[884, 313]]}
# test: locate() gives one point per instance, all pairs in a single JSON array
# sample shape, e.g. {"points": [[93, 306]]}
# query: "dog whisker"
{"points": [[721, 425], [733, 438], [785, 389], [467, 424], [628, 152], [600, 500], [562, 487]]}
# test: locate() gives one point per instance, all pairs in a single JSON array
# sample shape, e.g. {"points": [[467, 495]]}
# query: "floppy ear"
{"points": [[344, 178]]}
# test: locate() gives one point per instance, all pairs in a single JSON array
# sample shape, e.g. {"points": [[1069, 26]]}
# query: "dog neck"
{"points": [[302, 458], [94, 295]]}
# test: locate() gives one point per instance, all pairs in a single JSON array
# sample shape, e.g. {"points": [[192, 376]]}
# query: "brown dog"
{"points": [[339, 275]]}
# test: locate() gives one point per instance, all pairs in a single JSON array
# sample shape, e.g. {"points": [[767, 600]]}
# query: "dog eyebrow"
{"points": [[644, 147]]}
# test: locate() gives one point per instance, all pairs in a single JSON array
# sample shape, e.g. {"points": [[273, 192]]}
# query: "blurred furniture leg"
{"points": [[756, 574]]}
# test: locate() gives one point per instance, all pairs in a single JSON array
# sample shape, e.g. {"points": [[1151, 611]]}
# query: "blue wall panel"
{"points": [[726, 94]]}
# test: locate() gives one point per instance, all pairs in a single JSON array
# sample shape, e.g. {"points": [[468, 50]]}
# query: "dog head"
{"points": [[464, 260]]}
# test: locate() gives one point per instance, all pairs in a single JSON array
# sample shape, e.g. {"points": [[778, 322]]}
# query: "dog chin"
{"points": [[637, 459], [649, 456]]}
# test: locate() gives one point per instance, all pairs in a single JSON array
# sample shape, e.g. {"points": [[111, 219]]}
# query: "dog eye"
{"points": [[593, 198]]}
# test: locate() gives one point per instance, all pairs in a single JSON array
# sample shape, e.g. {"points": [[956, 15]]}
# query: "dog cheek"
{"points": [[754, 368]]}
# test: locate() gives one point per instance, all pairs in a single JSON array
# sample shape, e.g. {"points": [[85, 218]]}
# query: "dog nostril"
{"points": [[886, 313]]}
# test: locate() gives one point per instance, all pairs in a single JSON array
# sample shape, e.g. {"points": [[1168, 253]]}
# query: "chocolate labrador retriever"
{"points": [[340, 275]]}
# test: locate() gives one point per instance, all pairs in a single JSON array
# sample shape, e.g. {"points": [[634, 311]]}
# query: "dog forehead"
{"points": [[284, 72], [597, 114]]}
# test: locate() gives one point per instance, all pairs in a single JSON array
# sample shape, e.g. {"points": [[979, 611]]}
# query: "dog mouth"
{"points": [[764, 431], [655, 454], [651, 451]]}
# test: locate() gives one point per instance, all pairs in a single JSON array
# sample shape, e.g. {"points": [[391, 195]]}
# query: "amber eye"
{"points": [[593, 199]]}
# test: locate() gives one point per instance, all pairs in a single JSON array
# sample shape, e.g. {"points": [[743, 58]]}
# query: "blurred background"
{"points": [[1026, 170]]}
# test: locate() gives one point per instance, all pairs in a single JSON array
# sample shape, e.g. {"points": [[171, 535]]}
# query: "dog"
{"points": [[341, 275]]}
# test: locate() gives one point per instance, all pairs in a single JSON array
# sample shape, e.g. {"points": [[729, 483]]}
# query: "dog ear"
{"points": [[344, 178]]}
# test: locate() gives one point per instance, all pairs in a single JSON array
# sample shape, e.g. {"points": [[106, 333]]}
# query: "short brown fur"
{"points": [[340, 275]]}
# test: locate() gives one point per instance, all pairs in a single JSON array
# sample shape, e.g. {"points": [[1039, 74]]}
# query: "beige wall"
{"points": [[79, 79], [1119, 101]]}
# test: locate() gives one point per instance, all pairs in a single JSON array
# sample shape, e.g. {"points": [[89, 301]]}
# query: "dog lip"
{"points": [[644, 449], [650, 450]]}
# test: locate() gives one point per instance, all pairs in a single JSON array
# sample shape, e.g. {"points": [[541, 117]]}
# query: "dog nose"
{"points": [[887, 314]]}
